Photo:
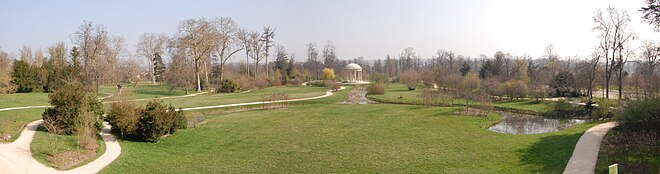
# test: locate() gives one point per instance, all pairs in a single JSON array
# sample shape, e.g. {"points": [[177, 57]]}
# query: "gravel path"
{"points": [[585, 155]]}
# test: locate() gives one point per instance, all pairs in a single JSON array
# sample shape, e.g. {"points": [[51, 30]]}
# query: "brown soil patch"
{"points": [[471, 112], [68, 159]]}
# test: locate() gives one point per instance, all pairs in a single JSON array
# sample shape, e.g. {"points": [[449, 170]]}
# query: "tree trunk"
{"points": [[199, 85], [151, 71]]}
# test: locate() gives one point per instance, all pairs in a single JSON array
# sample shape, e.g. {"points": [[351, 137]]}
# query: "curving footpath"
{"points": [[585, 155], [16, 157]]}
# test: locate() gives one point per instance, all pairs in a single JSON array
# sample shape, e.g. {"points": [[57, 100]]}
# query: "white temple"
{"points": [[353, 73]]}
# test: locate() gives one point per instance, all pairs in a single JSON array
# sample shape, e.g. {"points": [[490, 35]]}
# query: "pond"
{"points": [[513, 123]]}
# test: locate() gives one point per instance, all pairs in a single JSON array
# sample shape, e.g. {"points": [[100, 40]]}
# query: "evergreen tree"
{"points": [[24, 77], [159, 68], [465, 68]]}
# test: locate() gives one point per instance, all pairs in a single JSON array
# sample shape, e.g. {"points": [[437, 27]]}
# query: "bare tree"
{"points": [[227, 41], [614, 32], [651, 13], [257, 50], [92, 43], [195, 37], [244, 37], [267, 39], [329, 55], [148, 45], [313, 58]]}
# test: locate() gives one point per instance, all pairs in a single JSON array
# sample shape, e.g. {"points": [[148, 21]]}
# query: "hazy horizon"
{"points": [[370, 29]]}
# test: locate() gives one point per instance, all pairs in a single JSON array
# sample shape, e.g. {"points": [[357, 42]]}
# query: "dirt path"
{"points": [[585, 155], [16, 157]]}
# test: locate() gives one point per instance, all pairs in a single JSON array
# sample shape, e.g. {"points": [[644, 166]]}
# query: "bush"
{"points": [[124, 117], [377, 77], [328, 74], [332, 85], [68, 104], [316, 83], [227, 86], [604, 108], [410, 78], [642, 114], [157, 120], [295, 81], [376, 88]]}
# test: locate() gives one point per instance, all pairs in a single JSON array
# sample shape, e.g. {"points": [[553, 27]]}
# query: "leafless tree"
{"points": [[257, 50], [148, 45], [244, 37], [195, 37], [92, 42], [615, 34], [227, 41], [267, 39], [329, 55], [313, 59]]}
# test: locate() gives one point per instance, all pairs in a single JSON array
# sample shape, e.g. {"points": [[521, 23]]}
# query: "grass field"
{"points": [[146, 91], [253, 96], [335, 138], [44, 144], [23, 99], [12, 122], [399, 93]]}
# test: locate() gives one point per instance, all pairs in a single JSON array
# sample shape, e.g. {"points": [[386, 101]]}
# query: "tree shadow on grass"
{"points": [[551, 153]]}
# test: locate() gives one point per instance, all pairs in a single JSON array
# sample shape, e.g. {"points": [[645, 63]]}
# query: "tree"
{"points": [[92, 42], [651, 13], [244, 37], [6, 69], [328, 74], [226, 43], [465, 68], [195, 40], [313, 58], [158, 68], [410, 78], [267, 39], [148, 45], [257, 50], [615, 34], [648, 67], [24, 77], [329, 55], [282, 61], [181, 71]]}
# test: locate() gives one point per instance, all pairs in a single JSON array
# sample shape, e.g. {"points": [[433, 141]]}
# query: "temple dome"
{"points": [[353, 66]]}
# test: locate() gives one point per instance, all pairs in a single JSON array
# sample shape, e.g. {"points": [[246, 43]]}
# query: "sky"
{"points": [[358, 28]]}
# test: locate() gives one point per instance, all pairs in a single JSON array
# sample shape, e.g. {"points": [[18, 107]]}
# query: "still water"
{"points": [[528, 124]]}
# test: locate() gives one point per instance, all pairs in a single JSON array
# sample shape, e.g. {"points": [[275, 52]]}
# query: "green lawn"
{"points": [[399, 93], [23, 99], [146, 91], [335, 138], [12, 122], [253, 96], [45, 144]]}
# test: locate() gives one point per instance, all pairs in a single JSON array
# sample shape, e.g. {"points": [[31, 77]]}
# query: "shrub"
{"points": [[328, 74], [124, 117], [295, 81], [604, 109], [68, 103], [642, 114], [410, 78], [376, 88], [316, 83], [157, 120], [377, 77], [332, 85], [227, 86]]}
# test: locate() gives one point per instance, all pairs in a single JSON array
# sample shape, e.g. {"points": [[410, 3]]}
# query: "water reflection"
{"points": [[357, 96], [528, 124]]}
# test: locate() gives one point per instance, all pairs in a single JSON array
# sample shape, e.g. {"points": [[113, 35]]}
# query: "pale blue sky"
{"points": [[368, 28]]}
